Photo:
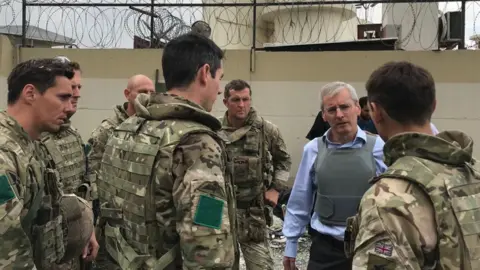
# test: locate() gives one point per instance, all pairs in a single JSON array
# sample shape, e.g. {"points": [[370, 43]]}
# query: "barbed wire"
{"points": [[114, 23]]}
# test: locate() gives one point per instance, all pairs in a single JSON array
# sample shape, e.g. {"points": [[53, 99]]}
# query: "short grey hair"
{"points": [[333, 88]]}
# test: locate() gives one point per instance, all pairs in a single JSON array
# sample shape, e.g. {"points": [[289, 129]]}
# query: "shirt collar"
{"points": [[361, 135]]}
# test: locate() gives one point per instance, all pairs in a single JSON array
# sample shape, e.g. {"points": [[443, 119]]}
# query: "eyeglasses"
{"points": [[344, 108]]}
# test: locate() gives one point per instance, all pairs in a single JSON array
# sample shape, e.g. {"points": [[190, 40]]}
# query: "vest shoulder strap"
{"points": [[370, 144]]}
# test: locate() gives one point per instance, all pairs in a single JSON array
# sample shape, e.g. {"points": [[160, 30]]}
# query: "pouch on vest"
{"points": [[351, 232], [127, 258], [47, 230], [63, 227], [251, 226], [245, 176]]}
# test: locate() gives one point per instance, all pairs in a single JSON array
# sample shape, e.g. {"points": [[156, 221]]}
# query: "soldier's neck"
{"points": [[130, 109], [24, 119], [188, 94], [396, 128], [235, 122]]}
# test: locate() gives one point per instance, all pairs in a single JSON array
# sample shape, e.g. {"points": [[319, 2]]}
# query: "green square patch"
{"points": [[6, 191], [209, 212]]}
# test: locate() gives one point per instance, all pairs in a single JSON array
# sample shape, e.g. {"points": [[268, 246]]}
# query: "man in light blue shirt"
{"points": [[335, 169]]}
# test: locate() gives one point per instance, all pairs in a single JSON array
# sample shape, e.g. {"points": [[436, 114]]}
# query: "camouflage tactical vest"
{"points": [[133, 238], [68, 155], [454, 189], [250, 162]]}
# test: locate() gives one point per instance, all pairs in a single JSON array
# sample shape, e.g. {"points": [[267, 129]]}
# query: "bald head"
{"points": [[139, 79], [137, 84]]}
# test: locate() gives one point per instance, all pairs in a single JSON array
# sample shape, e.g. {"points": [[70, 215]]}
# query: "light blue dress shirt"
{"points": [[434, 129], [301, 199]]}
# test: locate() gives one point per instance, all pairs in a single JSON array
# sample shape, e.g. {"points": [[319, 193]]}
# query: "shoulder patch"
{"points": [[6, 191], [376, 262], [384, 248], [209, 212]]}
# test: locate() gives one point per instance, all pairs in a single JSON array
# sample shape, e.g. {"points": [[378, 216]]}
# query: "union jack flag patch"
{"points": [[384, 248]]}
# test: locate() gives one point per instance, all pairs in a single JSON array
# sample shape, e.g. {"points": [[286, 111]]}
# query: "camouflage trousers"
{"points": [[71, 265], [257, 255]]}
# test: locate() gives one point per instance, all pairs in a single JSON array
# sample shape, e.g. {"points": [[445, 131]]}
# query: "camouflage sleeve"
{"points": [[15, 248], [396, 229], [200, 197], [280, 158], [97, 141]]}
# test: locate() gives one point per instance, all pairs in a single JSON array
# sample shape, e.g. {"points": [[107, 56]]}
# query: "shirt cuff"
{"points": [[291, 248]]}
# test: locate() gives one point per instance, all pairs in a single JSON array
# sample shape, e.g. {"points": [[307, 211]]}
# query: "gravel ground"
{"points": [[278, 247]]}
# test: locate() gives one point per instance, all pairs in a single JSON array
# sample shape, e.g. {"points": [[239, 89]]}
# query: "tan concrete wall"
{"points": [[7, 56], [285, 85]]}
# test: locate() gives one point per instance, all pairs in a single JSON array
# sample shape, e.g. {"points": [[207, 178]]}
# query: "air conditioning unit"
{"points": [[392, 31], [450, 26]]}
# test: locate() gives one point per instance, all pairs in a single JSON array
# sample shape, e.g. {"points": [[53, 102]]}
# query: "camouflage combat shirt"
{"points": [[19, 184], [396, 225]]}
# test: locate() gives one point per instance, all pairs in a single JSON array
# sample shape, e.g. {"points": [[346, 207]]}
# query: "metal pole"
{"points": [[461, 45], [254, 34], [262, 4], [24, 23], [152, 24]]}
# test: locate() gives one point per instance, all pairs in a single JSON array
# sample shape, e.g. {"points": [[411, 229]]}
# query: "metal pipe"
{"points": [[295, 3]]}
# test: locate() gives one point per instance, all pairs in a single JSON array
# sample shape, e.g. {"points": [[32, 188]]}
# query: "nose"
{"points": [[339, 113], [69, 107], [241, 104]]}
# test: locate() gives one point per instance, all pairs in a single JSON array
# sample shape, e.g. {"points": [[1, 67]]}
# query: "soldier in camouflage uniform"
{"points": [[261, 166], [166, 199], [66, 149], [33, 216], [137, 84], [423, 212]]}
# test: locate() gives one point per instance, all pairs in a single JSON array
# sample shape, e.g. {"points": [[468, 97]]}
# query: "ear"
{"points": [[323, 116], [29, 93], [225, 101], [203, 74], [376, 112], [358, 109], [126, 93], [434, 105]]}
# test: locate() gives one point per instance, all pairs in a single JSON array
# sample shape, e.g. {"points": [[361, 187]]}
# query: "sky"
{"points": [[114, 27]]}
